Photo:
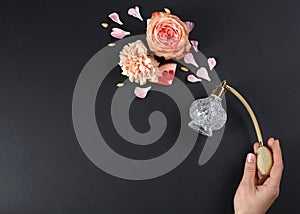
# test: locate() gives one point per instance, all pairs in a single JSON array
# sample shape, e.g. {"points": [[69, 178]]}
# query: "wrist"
{"points": [[247, 212]]}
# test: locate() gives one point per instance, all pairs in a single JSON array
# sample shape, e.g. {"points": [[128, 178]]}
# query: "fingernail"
{"points": [[250, 158], [271, 141]]}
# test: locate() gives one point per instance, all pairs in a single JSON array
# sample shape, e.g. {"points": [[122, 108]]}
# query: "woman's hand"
{"points": [[256, 193]]}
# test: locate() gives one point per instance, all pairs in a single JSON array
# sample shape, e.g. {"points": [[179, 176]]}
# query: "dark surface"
{"points": [[44, 46]]}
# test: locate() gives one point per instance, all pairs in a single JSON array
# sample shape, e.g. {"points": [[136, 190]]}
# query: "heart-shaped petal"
{"points": [[211, 63], [119, 33], [190, 25], [195, 45], [189, 59], [135, 12], [202, 73], [192, 78], [141, 92], [115, 17]]}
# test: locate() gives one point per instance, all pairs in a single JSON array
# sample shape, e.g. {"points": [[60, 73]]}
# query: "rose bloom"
{"points": [[167, 36]]}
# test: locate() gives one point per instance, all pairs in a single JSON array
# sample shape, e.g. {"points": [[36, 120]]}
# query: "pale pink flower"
{"points": [[202, 72], [141, 92], [137, 65], [115, 17], [195, 45], [189, 59], [211, 63], [135, 12], [192, 78], [190, 25], [119, 33]]}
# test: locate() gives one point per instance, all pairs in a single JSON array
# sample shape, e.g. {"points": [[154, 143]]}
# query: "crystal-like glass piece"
{"points": [[207, 115]]}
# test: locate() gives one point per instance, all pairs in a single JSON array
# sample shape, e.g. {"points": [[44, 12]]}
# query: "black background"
{"points": [[44, 46]]}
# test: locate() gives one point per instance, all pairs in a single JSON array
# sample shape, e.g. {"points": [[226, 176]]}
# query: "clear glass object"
{"points": [[207, 115]]}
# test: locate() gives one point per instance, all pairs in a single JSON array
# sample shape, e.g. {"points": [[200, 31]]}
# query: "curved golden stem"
{"points": [[248, 108]]}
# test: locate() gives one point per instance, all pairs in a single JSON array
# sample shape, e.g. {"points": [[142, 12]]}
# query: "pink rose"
{"points": [[167, 36]]}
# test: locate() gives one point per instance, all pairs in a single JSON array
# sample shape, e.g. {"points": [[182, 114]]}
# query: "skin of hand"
{"points": [[256, 193]]}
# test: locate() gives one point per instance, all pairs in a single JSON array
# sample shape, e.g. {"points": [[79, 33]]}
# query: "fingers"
{"points": [[255, 146], [249, 177], [277, 168], [270, 140], [261, 178]]}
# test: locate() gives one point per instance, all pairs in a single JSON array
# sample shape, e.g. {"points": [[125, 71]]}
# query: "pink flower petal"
{"points": [[189, 59], [141, 92], [190, 25], [119, 33], [135, 12], [195, 45], [202, 72], [192, 78], [211, 63], [115, 17]]}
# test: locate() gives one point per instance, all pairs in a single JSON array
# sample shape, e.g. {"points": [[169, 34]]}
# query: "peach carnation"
{"points": [[137, 65]]}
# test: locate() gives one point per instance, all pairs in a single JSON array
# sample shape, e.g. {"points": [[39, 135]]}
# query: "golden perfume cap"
{"points": [[220, 90]]}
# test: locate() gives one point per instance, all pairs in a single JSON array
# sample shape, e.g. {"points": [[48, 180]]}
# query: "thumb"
{"points": [[250, 170]]}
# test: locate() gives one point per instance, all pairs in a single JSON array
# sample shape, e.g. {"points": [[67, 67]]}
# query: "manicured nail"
{"points": [[271, 141], [250, 158]]}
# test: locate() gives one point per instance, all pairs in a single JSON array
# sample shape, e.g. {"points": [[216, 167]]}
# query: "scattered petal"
{"points": [[141, 92], [195, 45], [167, 10], [189, 59], [190, 25], [211, 63], [135, 12], [192, 78], [202, 72], [112, 44], [104, 24], [119, 33], [115, 17], [120, 84], [168, 72], [185, 69]]}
